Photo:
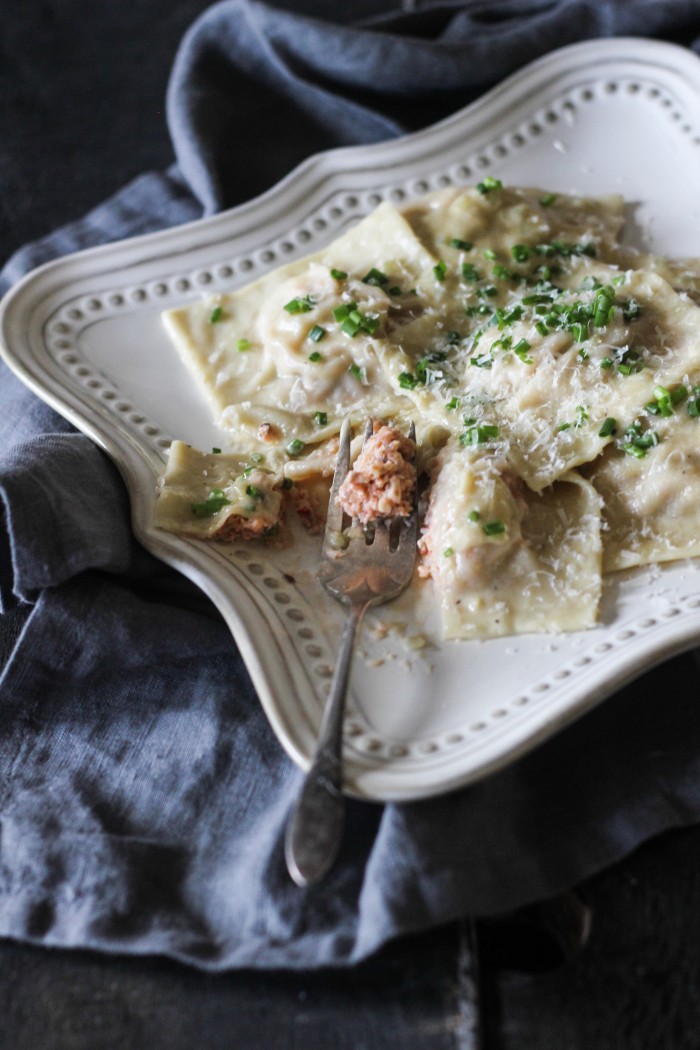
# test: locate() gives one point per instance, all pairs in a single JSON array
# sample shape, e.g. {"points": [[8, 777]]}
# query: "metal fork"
{"points": [[374, 567]]}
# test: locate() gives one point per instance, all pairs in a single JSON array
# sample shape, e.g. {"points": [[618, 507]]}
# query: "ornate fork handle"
{"points": [[315, 829]]}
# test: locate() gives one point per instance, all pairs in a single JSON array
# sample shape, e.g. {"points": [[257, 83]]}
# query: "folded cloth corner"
{"points": [[65, 511]]}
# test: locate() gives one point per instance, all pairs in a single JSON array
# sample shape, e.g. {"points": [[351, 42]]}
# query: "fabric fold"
{"points": [[65, 511]]}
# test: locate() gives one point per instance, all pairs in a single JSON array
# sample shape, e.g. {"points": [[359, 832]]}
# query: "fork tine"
{"points": [[334, 517]]}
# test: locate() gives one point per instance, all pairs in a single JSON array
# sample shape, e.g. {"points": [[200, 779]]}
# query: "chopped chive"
{"points": [[395, 290], [440, 271], [608, 427], [494, 528], [407, 381], [295, 447], [254, 491], [317, 333], [503, 273], [606, 363], [631, 310], [484, 361], [520, 252], [541, 327], [341, 312], [462, 246], [216, 315], [357, 372], [375, 277], [453, 404], [479, 434], [521, 350], [469, 272], [448, 552], [350, 327], [489, 184], [216, 451], [320, 418], [242, 345], [214, 502], [547, 199], [339, 275], [474, 515], [299, 305], [315, 356]]}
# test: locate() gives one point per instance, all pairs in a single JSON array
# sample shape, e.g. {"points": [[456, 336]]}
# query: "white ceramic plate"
{"points": [[84, 333]]}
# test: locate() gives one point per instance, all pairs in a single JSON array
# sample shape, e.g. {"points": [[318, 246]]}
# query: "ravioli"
{"points": [[553, 376]]}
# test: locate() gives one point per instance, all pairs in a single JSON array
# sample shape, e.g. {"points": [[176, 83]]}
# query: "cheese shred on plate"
{"points": [[552, 373]]}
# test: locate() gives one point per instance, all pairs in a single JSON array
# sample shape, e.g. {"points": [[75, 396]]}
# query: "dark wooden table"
{"points": [[69, 137]]}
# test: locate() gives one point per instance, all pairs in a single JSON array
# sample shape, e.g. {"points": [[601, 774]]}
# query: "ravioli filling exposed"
{"points": [[506, 559], [553, 376], [217, 496]]}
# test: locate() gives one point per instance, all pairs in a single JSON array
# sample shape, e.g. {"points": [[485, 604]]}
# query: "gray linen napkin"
{"points": [[143, 796]]}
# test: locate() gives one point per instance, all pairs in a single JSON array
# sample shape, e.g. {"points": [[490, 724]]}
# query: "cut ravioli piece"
{"points": [[218, 496], [303, 336], [652, 501], [505, 560]]}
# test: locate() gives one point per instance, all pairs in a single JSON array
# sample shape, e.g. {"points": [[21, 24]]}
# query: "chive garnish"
{"points": [[462, 246], [547, 199], [320, 418], [242, 345], [440, 271], [493, 528], [216, 315], [479, 434], [608, 427], [489, 184], [469, 272], [317, 333], [340, 313], [520, 252], [375, 277], [295, 447], [357, 372], [521, 350], [214, 502], [339, 275], [299, 305], [315, 356]]}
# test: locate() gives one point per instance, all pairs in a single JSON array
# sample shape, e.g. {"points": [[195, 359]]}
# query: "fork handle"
{"points": [[315, 829]]}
